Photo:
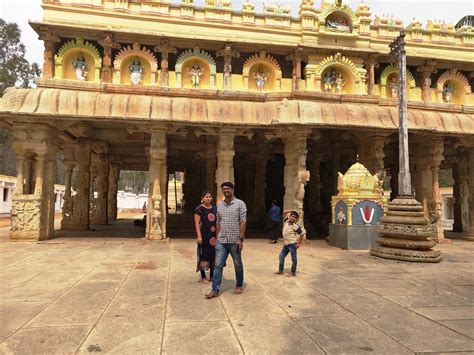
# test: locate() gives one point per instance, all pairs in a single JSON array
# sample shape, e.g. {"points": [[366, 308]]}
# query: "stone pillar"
{"points": [[296, 58], [211, 165], [108, 44], [470, 227], [20, 179], [68, 203], [425, 71], [225, 160], [435, 202], [295, 173], [228, 53], [336, 167], [371, 63], [457, 224], [165, 50], [371, 152], [428, 158], [76, 210], [33, 209], [49, 40], [313, 188], [261, 159], [100, 166], [114, 175], [156, 210]]}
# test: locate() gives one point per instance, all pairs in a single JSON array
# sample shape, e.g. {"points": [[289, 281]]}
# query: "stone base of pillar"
{"points": [[158, 241], [406, 234], [27, 219]]}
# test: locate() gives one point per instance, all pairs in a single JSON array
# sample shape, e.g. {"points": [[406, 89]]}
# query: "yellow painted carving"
{"points": [[390, 71], [256, 65], [462, 89], [345, 11], [69, 52], [126, 57], [354, 74]]}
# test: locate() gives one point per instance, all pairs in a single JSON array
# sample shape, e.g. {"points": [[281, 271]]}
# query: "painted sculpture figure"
{"points": [[448, 90], [136, 72], [260, 78], [394, 88], [329, 81], [80, 65], [340, 82], [195, 73]]}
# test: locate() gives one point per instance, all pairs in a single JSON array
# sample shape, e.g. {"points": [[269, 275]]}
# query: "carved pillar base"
{"points": [[406, 234], [33, 202]]}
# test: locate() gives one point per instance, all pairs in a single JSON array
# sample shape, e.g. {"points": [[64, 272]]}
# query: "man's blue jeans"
{"points": [[284, 252], [222, 252]]}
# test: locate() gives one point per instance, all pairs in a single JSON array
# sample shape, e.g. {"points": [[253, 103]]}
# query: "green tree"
{"points": [[15, 70]]}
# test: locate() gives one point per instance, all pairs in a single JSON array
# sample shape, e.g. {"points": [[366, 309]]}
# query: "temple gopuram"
{"points": [[275, 103]]}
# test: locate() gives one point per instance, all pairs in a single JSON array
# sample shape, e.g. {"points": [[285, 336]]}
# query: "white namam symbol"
{"points": [[366, 217]]}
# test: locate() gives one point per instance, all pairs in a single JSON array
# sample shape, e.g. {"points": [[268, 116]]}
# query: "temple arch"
{"points": [[452, 87], [196, 59], [69, 54], [391, 71], [258, 65], [354, 74], [338, 18], [127, 57]]}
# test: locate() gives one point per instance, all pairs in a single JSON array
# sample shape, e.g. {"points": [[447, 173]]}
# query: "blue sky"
{"points": [[20, 11]]}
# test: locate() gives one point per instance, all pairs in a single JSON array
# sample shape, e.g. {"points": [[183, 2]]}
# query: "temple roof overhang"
{"points": [[216, 108]]}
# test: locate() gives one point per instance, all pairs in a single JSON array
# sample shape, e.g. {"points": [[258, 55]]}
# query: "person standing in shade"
{"points": [[205, 224], [293, 234], [231, 225], [274, 218]]}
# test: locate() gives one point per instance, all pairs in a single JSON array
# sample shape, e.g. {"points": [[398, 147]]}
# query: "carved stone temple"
{"points": [[275, 103]]}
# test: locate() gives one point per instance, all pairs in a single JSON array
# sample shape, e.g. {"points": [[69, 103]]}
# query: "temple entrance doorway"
{"points": [[191, 164]]}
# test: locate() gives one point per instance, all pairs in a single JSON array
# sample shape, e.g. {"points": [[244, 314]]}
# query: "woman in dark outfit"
{"points": [[205, 224]]}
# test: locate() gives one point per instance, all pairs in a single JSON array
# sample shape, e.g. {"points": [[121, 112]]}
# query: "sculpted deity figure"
{"points": [[157, 215], [136, 72], [337, 24], [195, 73], [394, 87], [80, 65], [260, 78], [448, 90], [329, 80], [339, 82], [341, 217]]}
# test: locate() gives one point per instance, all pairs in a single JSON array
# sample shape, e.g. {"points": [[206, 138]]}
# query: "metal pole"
{"points": [[399, 54]]}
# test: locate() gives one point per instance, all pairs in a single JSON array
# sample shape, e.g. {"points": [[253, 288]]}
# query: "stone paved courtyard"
{"points": [[127, 296]]}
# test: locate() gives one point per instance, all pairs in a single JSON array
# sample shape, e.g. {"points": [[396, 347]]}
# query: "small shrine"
{"points": [[357, 209]]}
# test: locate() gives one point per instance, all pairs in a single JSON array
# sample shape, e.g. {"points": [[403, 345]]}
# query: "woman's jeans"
{"points": [[291, 248], [222, 252]]}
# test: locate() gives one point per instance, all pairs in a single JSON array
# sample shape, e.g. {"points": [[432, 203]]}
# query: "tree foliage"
{"points": [[15, 70]]}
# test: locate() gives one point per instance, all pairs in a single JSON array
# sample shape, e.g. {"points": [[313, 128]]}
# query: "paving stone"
{"points": [[200, 338], [14, 314], [50, 340], [463, 326], [350, 335], [274, 337], [446, 313], [412, 330]]}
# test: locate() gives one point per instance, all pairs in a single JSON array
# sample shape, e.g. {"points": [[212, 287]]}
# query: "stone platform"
{"points": [[83, 294], [353, 237]]}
